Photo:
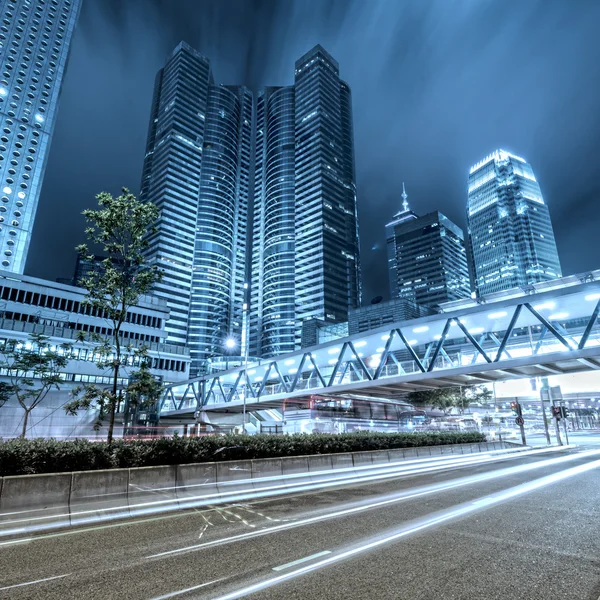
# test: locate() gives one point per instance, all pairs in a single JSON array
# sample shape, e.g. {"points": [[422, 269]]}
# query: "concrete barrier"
{"points": [[98, 492], [35, 499], [269, 470], [342, 461], [292, 465], [151, 485], [362, 459], [27, 501], [396, 454], [234, 475], [196, 480]]}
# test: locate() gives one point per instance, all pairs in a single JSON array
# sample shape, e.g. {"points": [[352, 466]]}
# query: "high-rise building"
{"points": [[511, 241], [35, 36], [305, 261], [426, 258], [196, 171]]}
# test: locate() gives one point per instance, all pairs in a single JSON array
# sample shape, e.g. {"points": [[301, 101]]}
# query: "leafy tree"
{"points": [[33, 369], [479, 394], [5, 393], [121, 226], [442, 398]]}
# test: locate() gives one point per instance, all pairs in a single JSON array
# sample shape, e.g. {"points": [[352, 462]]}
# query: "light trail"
{"points": [[393, 499], [190, 589], [329, 479], [417, 526]]}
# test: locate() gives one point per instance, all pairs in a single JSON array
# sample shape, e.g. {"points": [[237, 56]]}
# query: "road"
{"points": [[523, 527]]}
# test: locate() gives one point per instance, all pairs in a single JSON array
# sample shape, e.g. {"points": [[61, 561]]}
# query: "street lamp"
{"points": [[230, 343]]}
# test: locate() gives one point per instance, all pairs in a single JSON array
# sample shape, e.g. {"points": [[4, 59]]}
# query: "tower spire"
{"points": [[404, 199]]}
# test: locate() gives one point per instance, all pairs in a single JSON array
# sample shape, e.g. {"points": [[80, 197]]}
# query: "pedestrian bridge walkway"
{"points": [[528, 335]]}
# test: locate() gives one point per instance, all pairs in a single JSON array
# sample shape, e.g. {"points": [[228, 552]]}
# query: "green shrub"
{"points": [[21, 457]]}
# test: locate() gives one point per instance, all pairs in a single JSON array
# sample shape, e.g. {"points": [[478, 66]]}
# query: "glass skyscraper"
{"points": [[427, 261], [35, 36], [305, 251], [196, 171], [511, 241]]}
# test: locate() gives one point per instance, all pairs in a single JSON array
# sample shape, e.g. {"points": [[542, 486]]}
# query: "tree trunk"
{"points": [[113, 403], [25, 419]]}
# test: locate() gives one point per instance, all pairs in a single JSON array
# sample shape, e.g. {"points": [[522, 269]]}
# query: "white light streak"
{"points": [[420, 525], [545, 305], [558, 316], [421, 329]]}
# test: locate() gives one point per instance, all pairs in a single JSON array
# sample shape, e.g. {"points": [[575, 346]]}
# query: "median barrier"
{"points": [[319, 465], [292, 465], [98, 492], [196, 479], [362, 459], [35, 499], [234, 475], [342, 461], [148, 485], [268, 470], [28, 501], [396, 454]]}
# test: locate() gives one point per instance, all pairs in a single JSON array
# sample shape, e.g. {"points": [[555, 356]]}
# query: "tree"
{"points": [[479, 394], [121, 226], [33, 368], [143, 390], [442, 398]]}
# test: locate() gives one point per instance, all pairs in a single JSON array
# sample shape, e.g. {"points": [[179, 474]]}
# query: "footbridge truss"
{"points": [[541, 334]]}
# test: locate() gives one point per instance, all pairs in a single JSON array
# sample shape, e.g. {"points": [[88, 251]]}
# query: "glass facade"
{"points": [[305, 261], [273, 318], [35, 36], [196, 171], [427, 258], [511, 241]]}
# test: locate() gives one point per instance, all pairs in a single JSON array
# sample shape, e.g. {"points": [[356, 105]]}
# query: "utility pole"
{"points": [[246, 324]]}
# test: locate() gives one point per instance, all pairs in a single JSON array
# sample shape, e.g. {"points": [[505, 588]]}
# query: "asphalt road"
{"points": [[526, 527]]}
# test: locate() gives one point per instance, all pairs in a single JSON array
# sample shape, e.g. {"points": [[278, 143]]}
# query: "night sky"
{"points": [[437, 85]]}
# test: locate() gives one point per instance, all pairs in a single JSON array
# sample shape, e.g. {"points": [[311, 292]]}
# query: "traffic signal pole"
{"points": [[542, 393], [556, 415]]}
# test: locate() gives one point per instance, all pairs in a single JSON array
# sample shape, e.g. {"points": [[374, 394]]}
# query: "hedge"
{"points": [[22, 457]]}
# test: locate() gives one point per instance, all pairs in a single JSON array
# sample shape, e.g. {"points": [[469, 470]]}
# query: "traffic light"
{"points": [[516, 408], [564, 412], [556, 412]]}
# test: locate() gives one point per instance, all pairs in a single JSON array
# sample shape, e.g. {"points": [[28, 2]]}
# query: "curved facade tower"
{"points": [[219, 268], [305, 261], [511, 240], [196, 171], [273, 322], [35, 36]]}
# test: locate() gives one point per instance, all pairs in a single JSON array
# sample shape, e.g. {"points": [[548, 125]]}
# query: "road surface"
{"points": [[524, 527]]}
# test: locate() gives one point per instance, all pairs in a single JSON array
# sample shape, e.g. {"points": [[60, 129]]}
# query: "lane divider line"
{"points": [[459, 511], [10, 587]]}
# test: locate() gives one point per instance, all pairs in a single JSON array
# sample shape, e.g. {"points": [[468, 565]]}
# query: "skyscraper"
{"points": [[511, 241], [196, 171], [426, 258], [35, 36], [305, 250]]}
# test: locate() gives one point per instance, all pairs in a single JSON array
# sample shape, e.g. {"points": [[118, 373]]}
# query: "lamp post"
{"points": [[246, 343]]}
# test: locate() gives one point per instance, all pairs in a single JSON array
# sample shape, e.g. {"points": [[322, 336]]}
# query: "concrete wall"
{"points": [[31, 502]]}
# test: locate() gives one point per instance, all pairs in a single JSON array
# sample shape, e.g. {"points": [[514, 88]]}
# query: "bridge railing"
{"points": [[522, 332]]}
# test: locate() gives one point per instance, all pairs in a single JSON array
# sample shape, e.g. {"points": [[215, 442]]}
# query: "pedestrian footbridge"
{"points": [[532, 334]]}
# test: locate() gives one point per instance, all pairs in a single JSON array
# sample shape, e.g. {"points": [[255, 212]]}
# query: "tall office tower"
{"points": [[427, 258], [511, 241], [196, 171], [35, 36], [273, 316], [305, 206]]}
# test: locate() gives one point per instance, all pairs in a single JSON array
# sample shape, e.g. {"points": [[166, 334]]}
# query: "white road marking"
{"points": [[10, 587], [431, 489], [301, 560], [190, 589], [440, 517]]}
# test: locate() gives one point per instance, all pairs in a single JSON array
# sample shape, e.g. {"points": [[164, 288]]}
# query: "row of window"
{"points": [[56, 302]]}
